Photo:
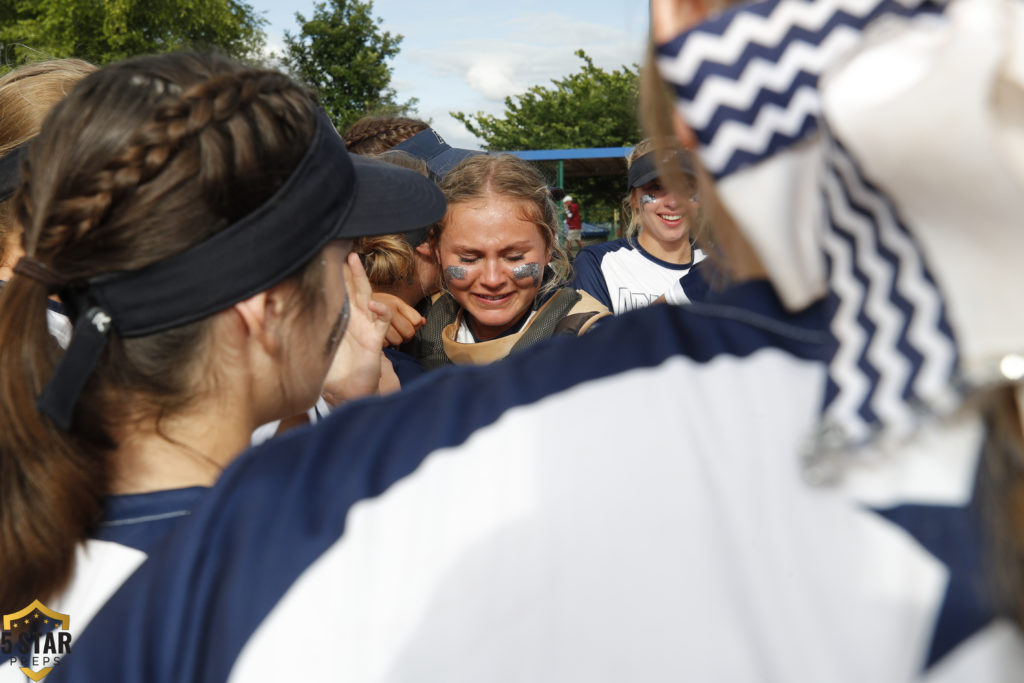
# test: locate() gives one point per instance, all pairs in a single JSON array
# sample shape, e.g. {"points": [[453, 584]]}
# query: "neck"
{"points": [[188, 449], [489, 333], [673, 252]]}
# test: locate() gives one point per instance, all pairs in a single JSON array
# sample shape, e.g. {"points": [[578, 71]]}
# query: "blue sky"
{"points": [[468, 57]]}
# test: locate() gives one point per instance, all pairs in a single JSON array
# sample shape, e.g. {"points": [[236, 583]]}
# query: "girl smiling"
{"points": [[632, 272]]}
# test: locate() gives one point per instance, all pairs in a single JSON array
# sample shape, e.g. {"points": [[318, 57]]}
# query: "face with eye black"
{"points": [[492, 260], [663, 215]]}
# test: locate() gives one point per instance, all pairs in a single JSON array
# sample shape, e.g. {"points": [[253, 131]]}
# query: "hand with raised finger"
{"points": [[356, 368]]}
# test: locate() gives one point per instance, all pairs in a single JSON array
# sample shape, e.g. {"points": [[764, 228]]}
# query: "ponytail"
{"points": [[51, 483]]}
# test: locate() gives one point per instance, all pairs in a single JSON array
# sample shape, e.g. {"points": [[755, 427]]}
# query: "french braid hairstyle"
{"points": [[377, 134], [144, 159], [26, 94]]}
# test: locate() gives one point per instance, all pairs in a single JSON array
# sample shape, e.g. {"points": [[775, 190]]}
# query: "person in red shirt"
{"points": [[574, 223]]}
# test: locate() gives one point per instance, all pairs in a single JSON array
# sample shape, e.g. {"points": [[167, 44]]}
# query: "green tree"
{"points": [[589, 108], [107, 31], [342, 53]]}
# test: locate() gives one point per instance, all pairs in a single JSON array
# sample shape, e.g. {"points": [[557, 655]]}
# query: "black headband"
{"points": [[10, 170], [328, 196], [644, 169]]}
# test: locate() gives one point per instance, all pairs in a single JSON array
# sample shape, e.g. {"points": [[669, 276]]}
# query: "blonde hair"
{"points": [[509, 176], [388, 259], [27, 94]]}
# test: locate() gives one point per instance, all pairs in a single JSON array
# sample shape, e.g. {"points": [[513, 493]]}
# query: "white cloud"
{"points": [[493, 78], [531, 50]]}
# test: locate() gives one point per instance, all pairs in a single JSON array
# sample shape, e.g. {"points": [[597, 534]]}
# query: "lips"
{"points": [[672, 220], [492, 299]]}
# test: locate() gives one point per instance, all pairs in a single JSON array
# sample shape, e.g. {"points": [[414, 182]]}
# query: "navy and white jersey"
{"points": [[695, 285], [131, 526], [624, 276], [479, 538]]}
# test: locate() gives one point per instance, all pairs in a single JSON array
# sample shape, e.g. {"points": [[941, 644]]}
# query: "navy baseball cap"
{"points": [[439, 155]]}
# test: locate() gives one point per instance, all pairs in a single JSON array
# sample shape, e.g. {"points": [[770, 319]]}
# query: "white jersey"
{"points": [[480, 538], [130, 527], [623, 276]]}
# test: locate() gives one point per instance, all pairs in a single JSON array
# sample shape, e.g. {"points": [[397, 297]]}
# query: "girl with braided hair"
{"points": [[195, 217]]}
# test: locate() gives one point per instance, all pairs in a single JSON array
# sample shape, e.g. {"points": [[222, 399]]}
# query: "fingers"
{"points": [[405, 319], [382, 312], [393, 337], [356, 282]]}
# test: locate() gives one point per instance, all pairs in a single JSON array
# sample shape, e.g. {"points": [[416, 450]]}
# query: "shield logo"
{"points": [[35, 639]]}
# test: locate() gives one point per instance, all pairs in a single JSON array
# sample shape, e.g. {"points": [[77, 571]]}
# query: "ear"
{"points": [[634, 201], [262, 316], [426, 249]]}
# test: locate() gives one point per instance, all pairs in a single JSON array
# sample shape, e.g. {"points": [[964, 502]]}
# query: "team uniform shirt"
{"points": [[624, 276], [480, 539], [693, 286], [131, 526]]}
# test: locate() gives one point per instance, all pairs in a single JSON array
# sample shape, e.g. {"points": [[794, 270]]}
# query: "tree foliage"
{"points": [[342, 53], [103, 32], [589, 108]]}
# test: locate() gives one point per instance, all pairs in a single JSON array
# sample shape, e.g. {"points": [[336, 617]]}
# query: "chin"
{"points": [[489, 320]]}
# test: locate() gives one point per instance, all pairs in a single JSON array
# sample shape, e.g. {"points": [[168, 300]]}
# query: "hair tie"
{"points": [[40, 272]]}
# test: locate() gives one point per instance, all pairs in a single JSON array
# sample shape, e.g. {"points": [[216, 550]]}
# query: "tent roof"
{"points": [[577, 163]]}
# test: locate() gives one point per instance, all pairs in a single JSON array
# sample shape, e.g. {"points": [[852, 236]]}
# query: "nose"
{"points": [[493, 275]]}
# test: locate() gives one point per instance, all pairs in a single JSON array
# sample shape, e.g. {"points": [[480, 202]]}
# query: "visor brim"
{"points": [[390, 199]]}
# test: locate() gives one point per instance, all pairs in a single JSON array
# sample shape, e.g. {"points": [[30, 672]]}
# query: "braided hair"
{"points": [[144, 159], [377, 134]]}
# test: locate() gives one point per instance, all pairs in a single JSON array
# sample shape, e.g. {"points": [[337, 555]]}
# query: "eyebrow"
{"points": [[515, 246]]}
